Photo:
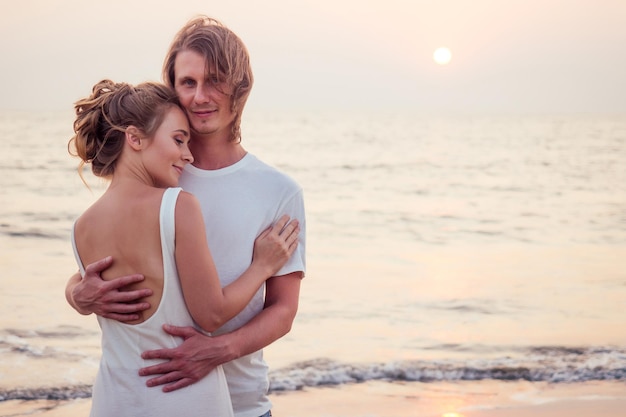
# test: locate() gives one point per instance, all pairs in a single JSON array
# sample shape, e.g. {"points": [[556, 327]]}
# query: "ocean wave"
{"points": [[547, 364], [46, 393], [60, 331], [32, 233], [16, 342], [538, 364]]}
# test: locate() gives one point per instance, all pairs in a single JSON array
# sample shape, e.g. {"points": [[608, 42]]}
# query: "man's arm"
{"points": [[92, 294], [276, 318], [200, 354]]}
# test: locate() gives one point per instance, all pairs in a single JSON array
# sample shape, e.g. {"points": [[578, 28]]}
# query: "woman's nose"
{"points": [[187, 155]]}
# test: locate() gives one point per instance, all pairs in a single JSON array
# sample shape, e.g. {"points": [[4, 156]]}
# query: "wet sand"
{"points": [[482, 399], [384, 399]]}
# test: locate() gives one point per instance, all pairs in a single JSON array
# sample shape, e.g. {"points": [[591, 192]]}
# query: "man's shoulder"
{"points": [[272, 173]]}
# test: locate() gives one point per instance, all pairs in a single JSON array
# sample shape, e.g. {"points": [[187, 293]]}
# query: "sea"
{"points": [[441, 249]]}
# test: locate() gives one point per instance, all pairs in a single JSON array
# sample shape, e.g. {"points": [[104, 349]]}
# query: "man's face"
{"points": [[206, 101]]}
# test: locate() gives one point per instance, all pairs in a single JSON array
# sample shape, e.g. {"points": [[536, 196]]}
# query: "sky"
{"points": [[510, 56]]}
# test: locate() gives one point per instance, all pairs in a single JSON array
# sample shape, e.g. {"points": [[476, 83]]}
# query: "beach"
{"points": [[410, 400], [456, 266]]}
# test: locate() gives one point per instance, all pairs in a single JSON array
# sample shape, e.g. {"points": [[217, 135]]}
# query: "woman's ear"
{"points": [[133, 137]]}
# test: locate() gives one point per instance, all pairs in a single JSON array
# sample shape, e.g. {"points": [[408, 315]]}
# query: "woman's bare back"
{"points": [[124, 223]]}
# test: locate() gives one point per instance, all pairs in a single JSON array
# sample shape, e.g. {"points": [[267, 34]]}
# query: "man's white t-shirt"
{"points": [[238, 203]]}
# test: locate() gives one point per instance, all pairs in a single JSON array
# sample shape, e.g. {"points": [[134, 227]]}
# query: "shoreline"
{"points": [[466, 399], [410, 399]]}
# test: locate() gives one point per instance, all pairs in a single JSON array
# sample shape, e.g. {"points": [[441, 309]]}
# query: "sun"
{"points": [[442, 55]]}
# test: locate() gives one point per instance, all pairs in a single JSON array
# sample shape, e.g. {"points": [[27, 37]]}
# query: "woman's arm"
{"points": [[211, 305]]}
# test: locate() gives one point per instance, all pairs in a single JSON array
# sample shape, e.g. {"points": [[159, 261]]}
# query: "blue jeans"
{"points": [[268, 414]]}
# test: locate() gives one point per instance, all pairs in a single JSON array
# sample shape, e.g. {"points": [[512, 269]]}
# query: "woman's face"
{"points": [[168, 151]]}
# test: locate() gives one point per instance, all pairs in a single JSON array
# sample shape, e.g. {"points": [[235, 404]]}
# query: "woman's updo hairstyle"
{"points": [[103, 117]]}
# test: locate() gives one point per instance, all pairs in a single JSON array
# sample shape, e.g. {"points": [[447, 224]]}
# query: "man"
{"points": [[208, 66]]}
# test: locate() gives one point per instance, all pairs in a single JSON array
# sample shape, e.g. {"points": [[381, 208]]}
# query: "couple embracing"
{"points": [[217, 235]]}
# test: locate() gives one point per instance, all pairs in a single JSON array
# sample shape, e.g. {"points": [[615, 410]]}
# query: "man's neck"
{"points": [[210, 155]]}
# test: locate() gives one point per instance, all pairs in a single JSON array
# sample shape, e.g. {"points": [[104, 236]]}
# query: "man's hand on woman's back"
{"points": [[92, 294]]}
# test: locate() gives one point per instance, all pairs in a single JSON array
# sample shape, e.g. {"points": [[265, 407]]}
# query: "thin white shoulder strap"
{"points": [[167, 218], [76, 255]]}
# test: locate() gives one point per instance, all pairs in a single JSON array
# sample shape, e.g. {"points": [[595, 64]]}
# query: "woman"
{"points": [[137, 137]]}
